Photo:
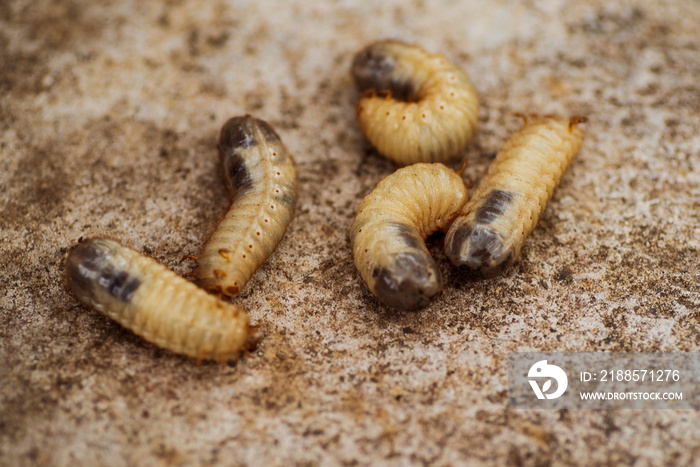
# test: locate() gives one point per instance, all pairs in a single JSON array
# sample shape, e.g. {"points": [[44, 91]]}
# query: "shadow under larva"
{"points": [[389, 232], [260, 175], [416, 106], [491, 228], [155, 303]]}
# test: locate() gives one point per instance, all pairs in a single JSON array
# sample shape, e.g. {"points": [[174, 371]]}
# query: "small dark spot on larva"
{"points": [[119, 284], [220, 273]]}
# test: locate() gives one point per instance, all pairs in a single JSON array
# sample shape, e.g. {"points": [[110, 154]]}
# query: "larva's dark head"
{"points": [[476, 246], [408, 282], [375, 68], [90, 271]]}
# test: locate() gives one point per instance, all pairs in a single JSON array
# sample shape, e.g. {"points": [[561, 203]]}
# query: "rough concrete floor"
{"points": [[109, 114]]}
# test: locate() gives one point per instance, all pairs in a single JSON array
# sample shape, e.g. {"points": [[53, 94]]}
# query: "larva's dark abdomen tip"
{"points": [[373, 68], [239, 133], [477, 247], [81, 264], [89, 268], [409, 283], [268, 132]]}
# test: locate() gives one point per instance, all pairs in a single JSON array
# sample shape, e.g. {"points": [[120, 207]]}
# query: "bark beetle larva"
{"points": [[388, 234], [260, 175], [155, 303], [505, 206], [430, 109]]}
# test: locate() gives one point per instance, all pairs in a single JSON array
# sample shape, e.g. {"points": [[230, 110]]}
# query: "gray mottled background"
{"points": [[109, 114]]}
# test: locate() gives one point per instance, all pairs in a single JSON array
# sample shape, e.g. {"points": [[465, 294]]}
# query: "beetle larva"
{"points": [[430, 109], [505, 206], [260, 175], [155, 303], [389, 232]]}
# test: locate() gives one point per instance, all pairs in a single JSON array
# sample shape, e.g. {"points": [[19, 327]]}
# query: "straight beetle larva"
{"points": [[389, 232], [504, 208], [260, 175], [155, 303], [416, 106]]}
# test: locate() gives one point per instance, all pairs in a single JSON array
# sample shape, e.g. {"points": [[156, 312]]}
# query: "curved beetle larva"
{"points": [[504, 208], [389, 232], [430, 107], [260, 175], [155, 303]]}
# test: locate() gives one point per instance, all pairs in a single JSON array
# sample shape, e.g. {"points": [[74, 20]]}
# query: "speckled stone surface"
{"points": [[109, 114]]}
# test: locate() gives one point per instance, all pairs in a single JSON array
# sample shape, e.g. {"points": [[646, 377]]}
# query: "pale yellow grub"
{"points": [[507, 203], [389, 232], [261, 177], [416, 106], [155, 303]]}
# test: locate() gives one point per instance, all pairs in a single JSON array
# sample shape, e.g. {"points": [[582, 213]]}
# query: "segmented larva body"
{"points": [[505, 206], [261, 178], [417, 106], [389, 232], [155, 303]]}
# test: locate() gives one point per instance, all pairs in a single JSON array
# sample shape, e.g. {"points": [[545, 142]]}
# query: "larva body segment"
{"points": [[507, 203], [155, 303], [389, 232], [261, 178], [416, 106]]}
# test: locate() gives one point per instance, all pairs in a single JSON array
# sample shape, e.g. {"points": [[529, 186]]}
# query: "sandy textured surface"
{"points": [[109, 114]]}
